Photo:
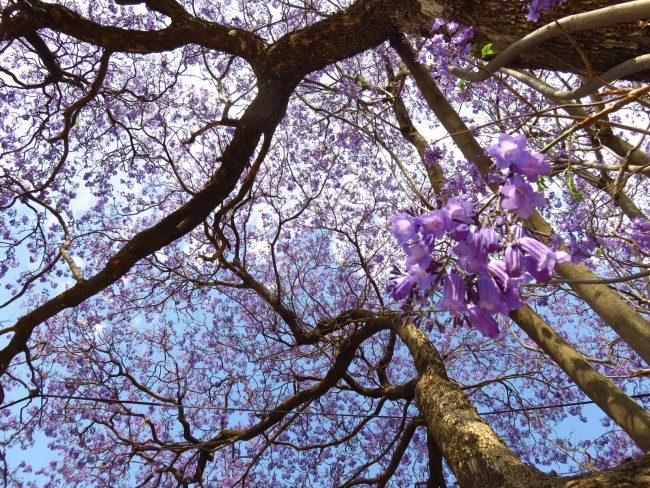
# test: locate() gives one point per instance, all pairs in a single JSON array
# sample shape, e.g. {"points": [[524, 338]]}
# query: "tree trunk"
{"points": [[474, 452]]}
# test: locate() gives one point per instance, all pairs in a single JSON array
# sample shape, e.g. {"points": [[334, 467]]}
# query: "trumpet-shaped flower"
{"points": [[489, 295], [404, 228], [459, 212], [402, 288], [422, 276], [505, 280], [483, 321], [473, 252], [434, 223], [418, 253], [454, 294], [539, 260], [510, 152], [520, 197], [514, 260]]}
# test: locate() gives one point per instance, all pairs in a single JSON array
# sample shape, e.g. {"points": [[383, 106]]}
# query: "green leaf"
{"points": [[462, 84], [487, 50], [541, 184], [571, 185]]}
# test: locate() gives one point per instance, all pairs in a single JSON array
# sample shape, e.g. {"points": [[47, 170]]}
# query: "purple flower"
{"points": [[532, 165], [489, 295], [514, 260], [459, 211], [518, 231], [520, 197], [581, 250], [437, 24], [418, 254], [454, 294], [510, 152], [539, 260], [536, 6], [460, 233], [473, 253], [641, 225], [470, 255], [640, 233], [483, 321], [404, 228], [512, 300], [503, 278], [463, 37], [434, 223], [487, 239], [402, 288], [422, 276], [433, 154], [508, 149]]}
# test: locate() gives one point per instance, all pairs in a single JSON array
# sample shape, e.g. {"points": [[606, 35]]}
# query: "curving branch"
{"points": [[382, 479], [184, 29], [346, 354], [616, 14], [625, 69]]}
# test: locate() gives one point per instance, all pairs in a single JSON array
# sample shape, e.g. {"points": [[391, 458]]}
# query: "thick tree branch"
{"points": [[619, 406], [184, 29], [473, 451], [503, 23]]}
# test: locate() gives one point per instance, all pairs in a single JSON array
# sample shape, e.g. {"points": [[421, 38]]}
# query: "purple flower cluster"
{"points": [[479, 285], [487, 286], [510, 153], [637, 234], [536, 6], [433, 155], [449, 41]]}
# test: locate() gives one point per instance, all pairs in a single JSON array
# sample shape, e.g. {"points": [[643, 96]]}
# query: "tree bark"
{"points": [[502, 23], [474, 452]]}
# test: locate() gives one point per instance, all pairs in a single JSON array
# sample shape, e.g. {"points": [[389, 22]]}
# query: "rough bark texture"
{"points": [[503, 23], [476, 455], [473, 451], [632, 474]]}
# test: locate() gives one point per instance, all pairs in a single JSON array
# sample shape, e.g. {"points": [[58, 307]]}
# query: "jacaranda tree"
{"points": [[325, 243]]}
